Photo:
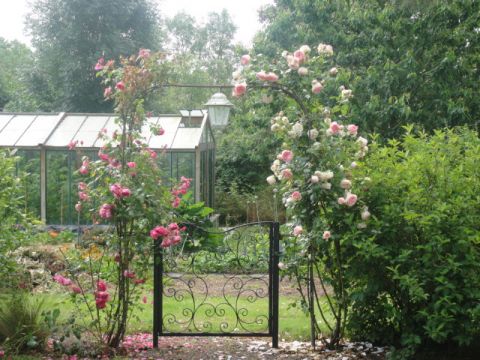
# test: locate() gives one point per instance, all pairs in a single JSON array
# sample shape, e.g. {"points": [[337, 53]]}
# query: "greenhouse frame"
{"points": [[40, 140]]}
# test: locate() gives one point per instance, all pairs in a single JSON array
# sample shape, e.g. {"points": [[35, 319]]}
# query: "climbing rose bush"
{"points": [[123, 188], [315, 172]]}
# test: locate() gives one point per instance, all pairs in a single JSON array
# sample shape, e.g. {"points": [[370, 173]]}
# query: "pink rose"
{"points": [[297, 230], [129, 274], [78, 207], [100, 64], [239, 89], [341, 201], [82, 186], [351, 199], [326, 235], [72, 144], [158, 231], [101, 304], [296, 196], [286, 156], [299, 55], [105, 211], [131, 164], [120, 86], [317, 87], [335, 127], [272, 77], [107, 92], [76, 289], [352, 129], [144, 53], [101, 285], [245, 60], [261, 75], [83, 170], [83, 196], [160, 131], [286, 174]]}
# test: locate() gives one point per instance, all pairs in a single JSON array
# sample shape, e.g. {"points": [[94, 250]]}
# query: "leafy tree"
{"points": [[15, 59], [70, 36], [410, 61], [204, 54]]}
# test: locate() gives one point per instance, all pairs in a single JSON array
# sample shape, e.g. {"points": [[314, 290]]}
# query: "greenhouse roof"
{"points": [[57, 130]]}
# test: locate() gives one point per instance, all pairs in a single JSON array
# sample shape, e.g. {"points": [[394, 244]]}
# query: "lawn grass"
{"points": [[294, 324]]}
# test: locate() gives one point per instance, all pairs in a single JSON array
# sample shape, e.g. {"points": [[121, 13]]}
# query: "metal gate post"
{"points": [[157, 291], [275, 282]]}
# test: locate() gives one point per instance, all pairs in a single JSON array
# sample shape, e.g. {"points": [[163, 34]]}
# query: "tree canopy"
{"points": [[69, 37], [410, 61]]}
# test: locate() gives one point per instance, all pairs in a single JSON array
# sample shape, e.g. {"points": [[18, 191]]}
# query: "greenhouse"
{"points": [[41, 141]]}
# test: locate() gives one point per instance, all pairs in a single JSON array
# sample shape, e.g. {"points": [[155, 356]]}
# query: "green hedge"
{"points": [[415, 273]]}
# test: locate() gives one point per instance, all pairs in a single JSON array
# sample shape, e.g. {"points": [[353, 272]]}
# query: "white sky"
{"points": [[243, 13]]}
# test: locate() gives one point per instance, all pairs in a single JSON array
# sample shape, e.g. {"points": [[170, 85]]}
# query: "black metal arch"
{"points": [[196, 307]]}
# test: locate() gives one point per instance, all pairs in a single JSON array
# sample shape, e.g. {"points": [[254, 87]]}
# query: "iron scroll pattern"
{"points": [[240, 298]]}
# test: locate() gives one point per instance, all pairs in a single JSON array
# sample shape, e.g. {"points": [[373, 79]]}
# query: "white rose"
{"points": [[365, 214], [326, 186], [271, 180], [312, 134]]}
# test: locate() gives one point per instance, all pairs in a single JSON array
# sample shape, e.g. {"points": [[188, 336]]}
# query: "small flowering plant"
{"points": [[315, 171], [124, 190]]}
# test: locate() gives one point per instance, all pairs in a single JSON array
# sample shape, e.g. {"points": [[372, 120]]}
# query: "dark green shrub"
{"points": [[416, 274], [12, 220], [21, 323]]}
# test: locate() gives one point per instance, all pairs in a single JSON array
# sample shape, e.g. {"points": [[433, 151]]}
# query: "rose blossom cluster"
{"points": [[170, 235], [280, 123], [85, 168], [322, 177], [266, 76], [119, 191], [82, 195], [106, 211], [180, 190], [298, 58], [101, 295]]}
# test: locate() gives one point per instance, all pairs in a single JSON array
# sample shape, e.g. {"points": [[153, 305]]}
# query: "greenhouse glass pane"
{"points": [[4, 119], [14, 129], [38, 131], [66, 130], [170, 125], [187, 138], [111, 127], [88, 132], [62, 186], [28, 167], [183, 164], [59, 197]]}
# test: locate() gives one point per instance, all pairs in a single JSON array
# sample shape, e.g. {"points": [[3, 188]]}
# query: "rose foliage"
{"points": [[124, 189], [316, 173]]}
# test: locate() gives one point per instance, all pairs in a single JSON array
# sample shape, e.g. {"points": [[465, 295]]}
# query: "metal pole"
{"points": [[275, 283], [157, 292], [310, 300]]}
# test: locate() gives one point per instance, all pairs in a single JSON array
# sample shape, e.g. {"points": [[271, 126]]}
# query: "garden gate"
{"points": [[229, 287]]}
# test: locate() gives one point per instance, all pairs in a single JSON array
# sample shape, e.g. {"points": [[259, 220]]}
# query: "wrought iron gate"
{"points": [[227, 288]]}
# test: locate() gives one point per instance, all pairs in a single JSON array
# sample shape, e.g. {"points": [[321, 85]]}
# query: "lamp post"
{"points": [[218, 108]]}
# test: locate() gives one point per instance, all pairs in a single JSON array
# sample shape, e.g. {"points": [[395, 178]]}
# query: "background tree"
{"points": [[15, 59], [204, 54], [69, 36], [410, 61]]}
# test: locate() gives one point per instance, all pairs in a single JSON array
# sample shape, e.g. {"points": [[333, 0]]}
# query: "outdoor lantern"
{"points": [[218, 108]]}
